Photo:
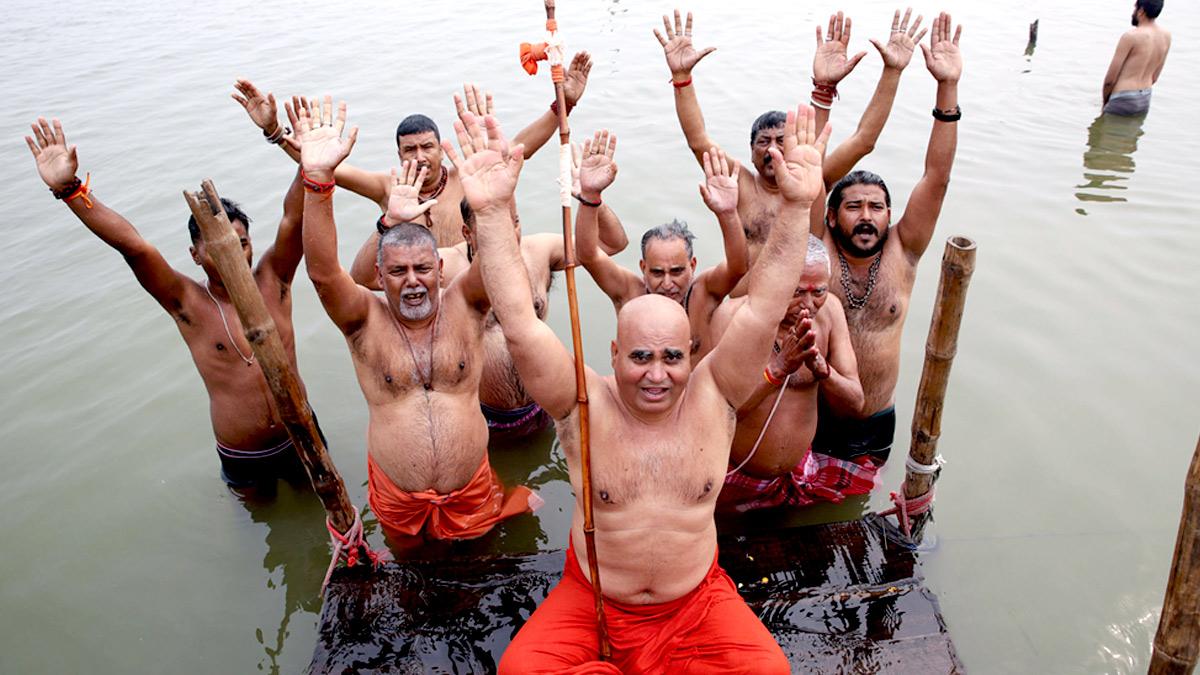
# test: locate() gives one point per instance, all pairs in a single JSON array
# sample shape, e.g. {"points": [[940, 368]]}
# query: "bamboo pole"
{"points": [[958, 263], [259, 328], [581, 397], [1177, 642]]}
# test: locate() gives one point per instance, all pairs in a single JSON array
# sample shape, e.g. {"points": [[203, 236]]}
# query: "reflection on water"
{"points": [[297, 552], [1108, 160]]}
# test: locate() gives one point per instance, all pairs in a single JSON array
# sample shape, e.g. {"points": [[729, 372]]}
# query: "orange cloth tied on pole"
{"points": [[531, 53], [468, 512]]}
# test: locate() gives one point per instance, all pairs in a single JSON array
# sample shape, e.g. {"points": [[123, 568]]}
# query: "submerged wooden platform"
{"points": [[840, 597]]}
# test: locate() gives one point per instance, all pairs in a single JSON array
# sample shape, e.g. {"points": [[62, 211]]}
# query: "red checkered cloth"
{"points": [[817, 478]]}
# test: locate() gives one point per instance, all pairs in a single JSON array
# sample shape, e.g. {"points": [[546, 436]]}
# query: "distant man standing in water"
{"points": [[660, 429], [417, 353], [875, 267], [1137, 63], [252, 443]]}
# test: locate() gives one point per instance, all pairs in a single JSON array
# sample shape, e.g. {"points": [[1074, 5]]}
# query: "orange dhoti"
{"points": [[708, 630], [468, 512]]}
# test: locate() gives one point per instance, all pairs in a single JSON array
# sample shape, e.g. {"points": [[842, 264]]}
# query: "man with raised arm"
{"points": [[668, 265], [876, 267], [417, 139], [660, 434], [758, 194], [769, 460], [252, 443], [1137, 63], [416, 352]]}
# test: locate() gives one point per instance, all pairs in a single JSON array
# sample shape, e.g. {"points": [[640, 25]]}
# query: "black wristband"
{"points": [[380, 226], [68, 190], [952, 115], [594, 205]]}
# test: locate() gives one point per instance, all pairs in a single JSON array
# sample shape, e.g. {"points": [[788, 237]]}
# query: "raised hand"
{"points": [[830, 64], [57, 163], [597, 170], [798, 167], [319, 137], [677, 46], [899, 48], [942, 57], [576, 79], [488, 168], [293, 114], [261, 109], [478, 101], [720, 187], [404, 200]]}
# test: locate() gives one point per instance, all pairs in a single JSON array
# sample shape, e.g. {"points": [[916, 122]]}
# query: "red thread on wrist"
{"points": [[823, 94], [680, 85], [554, 107], [771, 380], [316, 186], [595, 205]]}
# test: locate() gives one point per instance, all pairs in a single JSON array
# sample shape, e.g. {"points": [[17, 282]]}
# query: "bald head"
{"points": [[652, 316]]}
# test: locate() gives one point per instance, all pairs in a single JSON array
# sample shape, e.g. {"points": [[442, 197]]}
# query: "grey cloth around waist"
{"points": [[1129, 102]]}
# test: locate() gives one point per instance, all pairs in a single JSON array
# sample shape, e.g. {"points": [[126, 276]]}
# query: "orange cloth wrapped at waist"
{"points": [[710, 629], [465, 513]]}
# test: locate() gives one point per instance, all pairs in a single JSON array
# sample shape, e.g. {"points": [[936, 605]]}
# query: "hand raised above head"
{"points": [[798, 167], [830, 64], [720, 187], [677, 46], [942, 56], [577, 77], [597, 169], [260, 108], [404, 199], [57, 163], [474, 100], [488, 167], [319, 137], [904, 39]]}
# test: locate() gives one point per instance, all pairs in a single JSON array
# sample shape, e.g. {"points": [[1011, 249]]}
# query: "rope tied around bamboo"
{"points": [[913, 504], [225, 249]]}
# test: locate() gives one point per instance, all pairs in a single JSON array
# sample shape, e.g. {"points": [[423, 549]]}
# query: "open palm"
{"points": [[677, 45], [801, 180], [598, 169], [898, 51], [319, 136], [830, 63], [942, 57], [404, 200], [56, 162], [488, 168], [720, 187]]}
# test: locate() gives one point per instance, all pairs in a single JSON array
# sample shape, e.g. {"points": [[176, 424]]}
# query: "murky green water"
{"points": [[1071, 416]]}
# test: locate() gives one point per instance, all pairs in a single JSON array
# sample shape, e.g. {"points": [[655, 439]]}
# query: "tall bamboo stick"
{"points": [[581, 397], [958, 263], [1177, 642], [259, 328]]}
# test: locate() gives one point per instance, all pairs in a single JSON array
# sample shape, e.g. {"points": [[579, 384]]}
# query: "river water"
{"points": [[1071, 411]]}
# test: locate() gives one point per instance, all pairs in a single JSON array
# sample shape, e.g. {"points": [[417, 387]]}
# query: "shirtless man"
{"points": [[416, 353], [417, 139], [668, 266], [252, 443], [876, 265], [759, 198], [660, 433], [775, 426], [510, 412], [1137, 63]]}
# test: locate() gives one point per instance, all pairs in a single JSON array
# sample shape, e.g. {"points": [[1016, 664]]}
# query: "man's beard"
{"points": [[846, 241], [418, 312]]}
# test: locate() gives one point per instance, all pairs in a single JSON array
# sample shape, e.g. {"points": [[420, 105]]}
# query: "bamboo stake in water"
{"points": [[225, 249], [1177, 642], [958, 263]]}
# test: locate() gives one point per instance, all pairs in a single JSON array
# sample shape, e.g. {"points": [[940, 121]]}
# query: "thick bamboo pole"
{"points": [[1177, 642], [958, 263], [225, 249], [581, 397]]}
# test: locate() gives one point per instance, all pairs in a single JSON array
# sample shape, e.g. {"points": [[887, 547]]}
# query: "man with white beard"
{"points": [[417, 353]]}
